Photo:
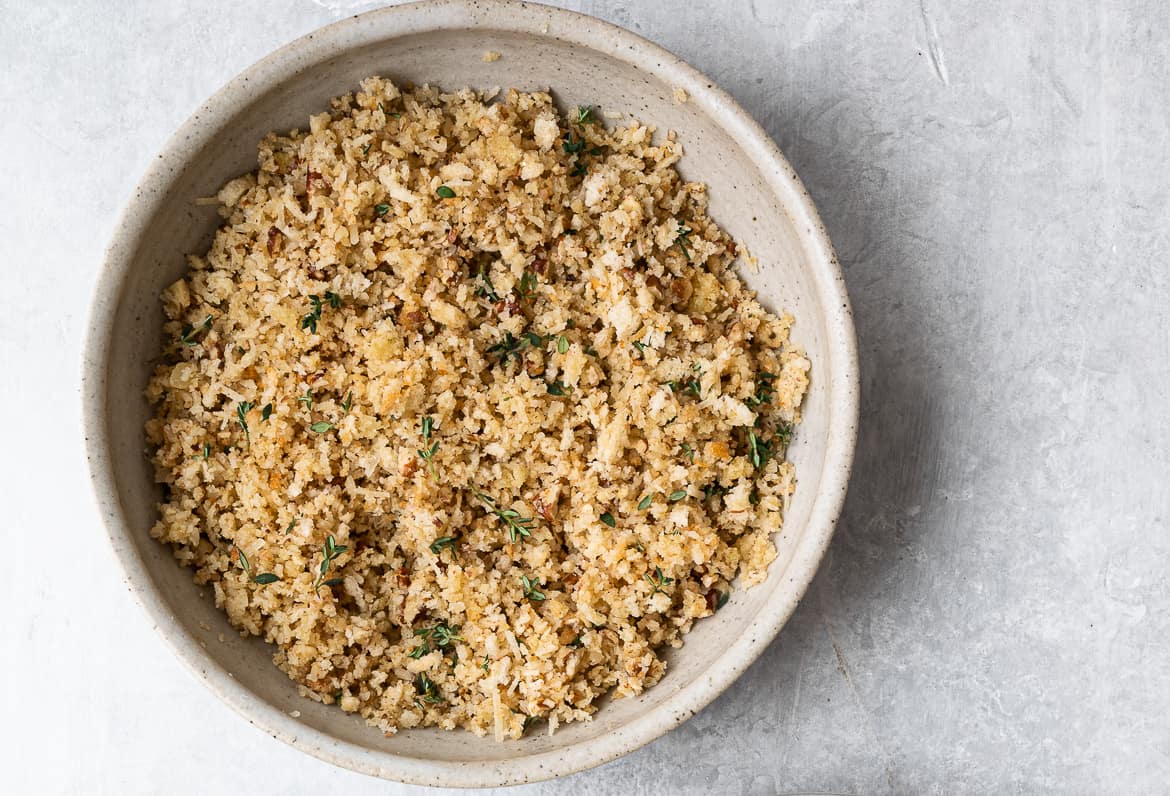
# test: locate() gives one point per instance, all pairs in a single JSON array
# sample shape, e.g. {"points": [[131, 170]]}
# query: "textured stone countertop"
{"points": [[993, 614]]}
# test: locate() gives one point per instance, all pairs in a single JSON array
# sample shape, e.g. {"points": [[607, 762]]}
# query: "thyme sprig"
{"points": [[316, 303], [764, 392], [264, 578], [330, 552], [517, 525], [242, 410], [512, 346], [691, 385], [427, 454], [427, 691], [683, 240], [532, 589], [486, 289], [574, 144], [525, 289], [658, 581], [441, 635]]}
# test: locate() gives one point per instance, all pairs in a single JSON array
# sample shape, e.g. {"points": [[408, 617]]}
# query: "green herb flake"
{"points": [[677, 495], [320, 427], [783, 435], [608, 519], [683, 239], [508, 348], [518, 526], [584, 114], [426, 690], [442, 542], [330, 552], [189, 333], [486, 289], [557, 388], [444, 192], [347, 403], [713, 490], [758, 450], [381, 209], [562, 344], [291, 524], [689, 452], [428, 456], [206, 451], [763, 394], [316, 304], [427, 425], [658, 581], [306, 399], [441, 635], [266, 412], [645, 502], [532, 589], [572, 145], [242, 409], [526, 288], [262, 579]]}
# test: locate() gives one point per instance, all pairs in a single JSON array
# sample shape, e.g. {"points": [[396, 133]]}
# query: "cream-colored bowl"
{"points": [[754, 195]]}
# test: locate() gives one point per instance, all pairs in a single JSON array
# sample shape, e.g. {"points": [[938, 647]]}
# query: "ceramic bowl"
{"points": [[754, 195]]}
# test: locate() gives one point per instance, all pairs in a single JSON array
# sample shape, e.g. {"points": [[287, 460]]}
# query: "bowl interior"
{"points": [[742, 201]]}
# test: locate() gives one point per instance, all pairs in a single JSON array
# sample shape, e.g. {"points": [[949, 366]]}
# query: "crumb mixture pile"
{"points": [[466, 412]]}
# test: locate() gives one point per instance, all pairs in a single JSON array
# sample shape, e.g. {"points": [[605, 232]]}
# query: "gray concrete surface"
{"points": [[993, 616]]}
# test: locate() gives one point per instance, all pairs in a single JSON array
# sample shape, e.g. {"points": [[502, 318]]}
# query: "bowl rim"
{"points": [[828, 282]]}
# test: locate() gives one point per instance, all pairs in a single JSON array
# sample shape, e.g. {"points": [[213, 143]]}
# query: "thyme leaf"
{"points": [[532, 589], [443, 541], [189, 333]]}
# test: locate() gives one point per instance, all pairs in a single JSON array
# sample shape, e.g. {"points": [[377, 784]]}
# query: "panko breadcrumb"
{"points": [[465, 411]]}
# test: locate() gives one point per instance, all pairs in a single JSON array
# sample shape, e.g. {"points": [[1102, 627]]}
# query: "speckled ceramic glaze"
{"points": [[754, 195]]}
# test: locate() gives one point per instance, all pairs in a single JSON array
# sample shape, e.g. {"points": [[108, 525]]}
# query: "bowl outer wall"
{"points": [[840, 371]]}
